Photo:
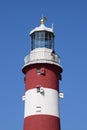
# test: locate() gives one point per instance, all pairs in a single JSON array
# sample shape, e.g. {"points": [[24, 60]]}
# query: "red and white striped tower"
{"points": [[42, 74]]}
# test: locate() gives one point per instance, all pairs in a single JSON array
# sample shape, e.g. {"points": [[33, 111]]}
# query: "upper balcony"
{"points": [[42, 55]]}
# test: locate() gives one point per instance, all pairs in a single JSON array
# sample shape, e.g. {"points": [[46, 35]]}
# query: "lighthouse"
{"points": [[42, 71]]}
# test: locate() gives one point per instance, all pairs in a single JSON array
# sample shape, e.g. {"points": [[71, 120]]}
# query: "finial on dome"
{"points": [[42, 21]]}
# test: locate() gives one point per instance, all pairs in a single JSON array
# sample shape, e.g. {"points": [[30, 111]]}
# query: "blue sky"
{"points": [[17, 19]]}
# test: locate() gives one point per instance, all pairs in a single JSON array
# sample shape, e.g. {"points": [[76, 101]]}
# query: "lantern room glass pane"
{"points": [[42, 39]]}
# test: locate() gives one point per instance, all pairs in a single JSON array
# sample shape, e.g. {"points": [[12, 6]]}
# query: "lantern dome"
{"points": [[42, 36]]}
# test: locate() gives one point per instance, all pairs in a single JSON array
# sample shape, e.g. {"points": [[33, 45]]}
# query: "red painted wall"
{"points": [[50, 79], [41, 122]]}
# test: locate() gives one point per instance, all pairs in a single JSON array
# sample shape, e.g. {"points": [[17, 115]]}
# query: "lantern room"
{"points": [[42, 37]]}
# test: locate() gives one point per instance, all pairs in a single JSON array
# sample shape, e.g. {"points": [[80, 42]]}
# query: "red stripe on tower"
{"points": [[42, 71], [41, 122]]}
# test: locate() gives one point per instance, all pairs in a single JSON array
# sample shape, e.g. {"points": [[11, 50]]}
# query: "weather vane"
{"points": [[43, 19]]}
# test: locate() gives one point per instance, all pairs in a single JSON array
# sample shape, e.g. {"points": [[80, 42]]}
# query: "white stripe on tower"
{"points": [[41, 101]]}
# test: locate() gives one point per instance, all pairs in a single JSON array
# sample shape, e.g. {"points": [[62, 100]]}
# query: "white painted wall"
{"points": [[44, 102]]}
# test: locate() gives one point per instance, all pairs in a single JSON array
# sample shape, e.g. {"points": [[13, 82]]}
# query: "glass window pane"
{"points": [[42, 39]]}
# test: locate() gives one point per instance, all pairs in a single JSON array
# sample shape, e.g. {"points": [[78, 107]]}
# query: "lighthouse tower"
{"points": [[42, 71]]}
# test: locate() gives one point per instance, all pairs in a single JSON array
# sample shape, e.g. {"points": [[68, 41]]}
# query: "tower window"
{"points": [[38, 108], [38, 89], [41, 71], [38, 71], [24, 79], [60, 77]]}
